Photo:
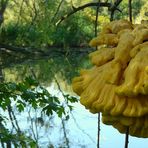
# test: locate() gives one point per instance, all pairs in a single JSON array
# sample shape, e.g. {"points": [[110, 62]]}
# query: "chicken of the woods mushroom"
{"points": [[117, 84]]}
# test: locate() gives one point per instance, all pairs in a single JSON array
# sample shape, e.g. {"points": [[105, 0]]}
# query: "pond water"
{"points": [[81, 128]]}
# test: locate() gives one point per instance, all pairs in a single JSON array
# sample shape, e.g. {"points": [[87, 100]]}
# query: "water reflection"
{"points": [[46, 131], [64, 66]]}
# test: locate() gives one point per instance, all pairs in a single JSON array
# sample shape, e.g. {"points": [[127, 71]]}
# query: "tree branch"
{"points": [[127, 137], [82, 130], [130, 10], [35, 135], [65, 134], [113, 8], [101, 4], [13, 120], [96, 30], [96, 21], [15, 49]]}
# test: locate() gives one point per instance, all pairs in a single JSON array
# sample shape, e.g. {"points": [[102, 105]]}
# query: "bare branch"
{"points": [[35, 133], [13, 119], [101, 4], [80, 128], [96, 30], [127, 137], [96, 21], [65, 134], [113, 8], [130, 10]]}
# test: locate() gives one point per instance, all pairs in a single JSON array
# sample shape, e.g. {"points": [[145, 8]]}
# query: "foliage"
{"points": [[30, 93], [136, 7], [33, 23], [63, 63], [17, 140], [143, 13], [39, 29]]}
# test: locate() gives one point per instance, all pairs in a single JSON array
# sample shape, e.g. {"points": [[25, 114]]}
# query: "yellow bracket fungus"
{"points": [[117, 84]]}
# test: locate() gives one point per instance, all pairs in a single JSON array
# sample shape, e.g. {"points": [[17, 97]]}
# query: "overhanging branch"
{"points": [[101, 4], [111, 7]]}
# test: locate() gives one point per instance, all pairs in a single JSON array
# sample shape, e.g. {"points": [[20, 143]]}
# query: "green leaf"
{"points": [[70, 107], [72, 99], [21, 87], [61, 111], [12, 86], [34, 104], [49, 111], [31, 81], [32, 144], [56, 99], [20, 107]]}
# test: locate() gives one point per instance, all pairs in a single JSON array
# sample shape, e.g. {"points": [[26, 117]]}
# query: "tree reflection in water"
{"points": [[55, 72]]}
